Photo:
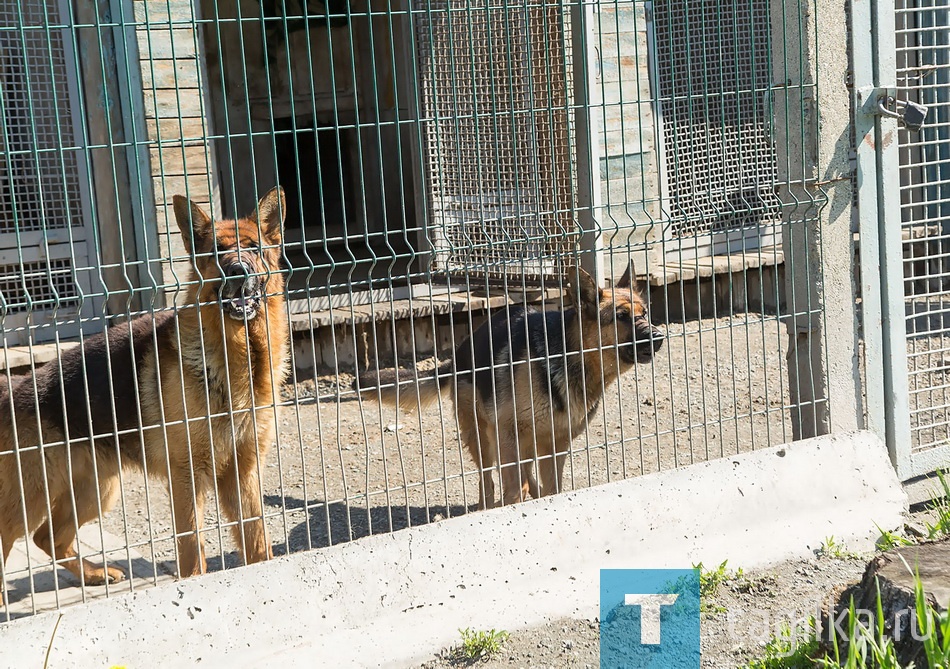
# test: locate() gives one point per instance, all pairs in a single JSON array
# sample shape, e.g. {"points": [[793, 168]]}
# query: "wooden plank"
{"points": [[157, 12], [168, 130], [109, 174], [179, 43], [169, 103], [175, 73], [177, 160], [198, 188]]}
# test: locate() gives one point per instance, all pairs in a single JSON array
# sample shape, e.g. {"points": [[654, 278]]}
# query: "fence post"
{"points": [[588, 206], [815, 170]]}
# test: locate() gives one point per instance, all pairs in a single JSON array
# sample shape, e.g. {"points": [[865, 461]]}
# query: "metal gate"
{"points": [[905, 212]]}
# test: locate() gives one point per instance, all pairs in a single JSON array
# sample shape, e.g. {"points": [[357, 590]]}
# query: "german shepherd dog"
{"points": [[187, 396], [526, 382]]}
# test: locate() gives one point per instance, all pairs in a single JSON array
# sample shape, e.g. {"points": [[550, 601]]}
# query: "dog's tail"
{"points": [[410, 390]]}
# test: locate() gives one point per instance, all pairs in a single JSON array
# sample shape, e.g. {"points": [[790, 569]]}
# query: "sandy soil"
{"points": [[346, 468]]}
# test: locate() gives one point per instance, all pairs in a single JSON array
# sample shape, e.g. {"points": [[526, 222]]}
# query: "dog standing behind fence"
{"points": [[526, 382], [188, 396]]}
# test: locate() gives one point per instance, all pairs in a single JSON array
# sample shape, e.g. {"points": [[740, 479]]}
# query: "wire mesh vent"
{"points": [[37, 285], [498, 165], [713, 68], [39, 181]]}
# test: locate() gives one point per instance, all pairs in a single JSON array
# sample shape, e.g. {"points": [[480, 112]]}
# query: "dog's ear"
{"points": [[629, 278], [583, 291], [195, 225], [270, 214]]}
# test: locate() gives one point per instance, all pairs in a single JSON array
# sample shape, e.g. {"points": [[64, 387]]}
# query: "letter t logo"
{"points": [[649, 614]]}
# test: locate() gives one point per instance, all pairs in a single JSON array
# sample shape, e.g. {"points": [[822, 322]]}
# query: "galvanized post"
{"points": [[882, 274], [588, 203]]}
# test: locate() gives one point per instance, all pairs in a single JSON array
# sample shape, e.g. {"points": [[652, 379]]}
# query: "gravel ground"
{"points": [[746, 611], [749, 611], [345, 468]]}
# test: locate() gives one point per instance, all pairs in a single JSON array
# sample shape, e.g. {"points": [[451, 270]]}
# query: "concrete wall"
{"points": [[176, 112], [627, 137]]}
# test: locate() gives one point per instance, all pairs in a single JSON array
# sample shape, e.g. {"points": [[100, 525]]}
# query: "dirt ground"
{"points": [[747, 610], [346, 468]]}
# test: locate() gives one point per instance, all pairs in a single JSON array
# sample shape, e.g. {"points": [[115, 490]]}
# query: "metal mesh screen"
{"points": [[37, 285], [713, 74], [39, 182], [494, 95], [923, 62]]}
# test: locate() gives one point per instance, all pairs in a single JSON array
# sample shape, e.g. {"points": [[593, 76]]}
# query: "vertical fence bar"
{"points": [[896, 401], [863, 79], [588, 203]]}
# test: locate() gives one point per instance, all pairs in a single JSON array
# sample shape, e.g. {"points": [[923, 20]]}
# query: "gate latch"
{"points": [[910, 114]]}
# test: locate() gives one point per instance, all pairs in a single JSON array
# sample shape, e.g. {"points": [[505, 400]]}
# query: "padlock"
{"points": [[912, 114]]}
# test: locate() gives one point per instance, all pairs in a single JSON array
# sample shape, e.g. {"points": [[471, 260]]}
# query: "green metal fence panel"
{"points": [[445, 168]]}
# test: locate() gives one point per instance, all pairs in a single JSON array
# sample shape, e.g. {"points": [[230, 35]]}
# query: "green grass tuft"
{"points": [[789, 650], [833, 548], [710, 582], [477, 644]]}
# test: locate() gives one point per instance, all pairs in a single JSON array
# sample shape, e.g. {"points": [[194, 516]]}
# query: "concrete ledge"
{"points": [[391, 599], [22, 356]]}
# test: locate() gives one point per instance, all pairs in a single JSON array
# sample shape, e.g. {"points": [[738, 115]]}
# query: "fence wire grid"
{"points": [[440, 162]]}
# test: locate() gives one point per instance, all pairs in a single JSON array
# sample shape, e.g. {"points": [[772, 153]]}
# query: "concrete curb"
{"points": [[390, 600]]}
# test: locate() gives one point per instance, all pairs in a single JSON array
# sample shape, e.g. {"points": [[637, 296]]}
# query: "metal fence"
{"points": [[442, 162], [923, 76]]}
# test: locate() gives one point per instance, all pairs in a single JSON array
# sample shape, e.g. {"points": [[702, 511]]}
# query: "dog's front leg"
{"points": [[240, 489], [188, 502]]}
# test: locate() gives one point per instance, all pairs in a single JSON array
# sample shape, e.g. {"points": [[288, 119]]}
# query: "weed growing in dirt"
{"points": [[867, 647], [868, 643], [789, 650], [709, 583], [477, 644], [938, 529], [940, 505], [935, 629], [889, 540], [833, 548]]}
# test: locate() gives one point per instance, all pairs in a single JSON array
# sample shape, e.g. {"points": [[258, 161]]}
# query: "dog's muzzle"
{"points": [[241, 291], [648, 341]]}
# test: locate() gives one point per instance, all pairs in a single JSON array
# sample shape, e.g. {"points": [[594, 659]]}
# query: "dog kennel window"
{"points": [[36, 285], [37, 176], [712, 74], [497, 163]]}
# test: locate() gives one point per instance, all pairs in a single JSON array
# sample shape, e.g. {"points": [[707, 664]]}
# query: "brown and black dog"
{"points": [[526, 381], [188, 396]]}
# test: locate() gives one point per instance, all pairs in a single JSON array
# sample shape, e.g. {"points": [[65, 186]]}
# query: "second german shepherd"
{"points": [[526, 381], [187, 396]]}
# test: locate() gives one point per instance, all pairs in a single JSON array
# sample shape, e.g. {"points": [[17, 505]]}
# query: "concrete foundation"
{"points": [[394, 599]]}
